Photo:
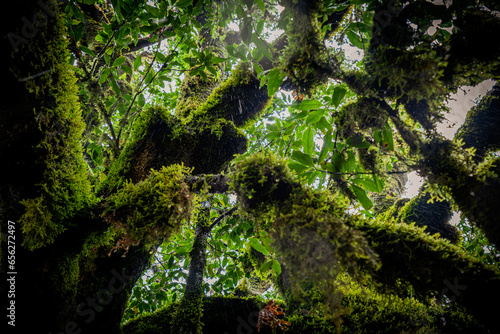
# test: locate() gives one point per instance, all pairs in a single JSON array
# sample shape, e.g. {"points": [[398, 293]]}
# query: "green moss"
{"points": [[220, 314], [305, 59], [65, 187], [238, 99], [368, 312], [407, 253], [187, 318], [362, 115], [453, 175], [151, 209], [315, 235], [411, 76], [192, 92], [37, 223], [160, 139], [151, 323], [308, 228], [261, 181]]}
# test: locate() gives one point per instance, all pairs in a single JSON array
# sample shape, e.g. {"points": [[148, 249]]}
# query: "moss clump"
{"points": [[316, 243], [407, 253], [238, 99], [187, 317], [305, 60], [361, 115], [411, 76], [472, 56], [262, 182], [220, 314], [192, 92], [308, 228], [418, 210], [159, 139], [372, 312], [151, 209], [453, 174], [37, 223]]}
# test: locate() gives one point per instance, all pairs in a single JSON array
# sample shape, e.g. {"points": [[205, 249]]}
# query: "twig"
{"points": [[101, 52], [218, 220], [148, 83]]}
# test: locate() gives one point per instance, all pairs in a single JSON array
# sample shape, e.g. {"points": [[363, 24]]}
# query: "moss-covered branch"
{"points": [[312, 230]]}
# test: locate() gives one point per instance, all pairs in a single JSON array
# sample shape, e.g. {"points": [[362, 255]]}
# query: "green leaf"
{"points": [[137, 62], [78, 13], [361, 196], [152, 10], [141, 100], [304, 159], [258, 246], [183, 3], [161, 57], [297, 167], [104, 75], [260, 27], [170, 263], [360, 2], [338, 161], [308, 105], [339, 7], [338, 95], [149, 77], [127, 69], [216, 60], [351, 162], [262, 46], [241, 52], [367, 184], [324, 125], [261, 5], [276, 267], [355, 39], [314, 116], [387, 140], [358, 142], [266, 266], [379, 182], [120, 60], [246, 30], [274, 80], [327, 143], [86, 50], [308, 141], [79, 31]]}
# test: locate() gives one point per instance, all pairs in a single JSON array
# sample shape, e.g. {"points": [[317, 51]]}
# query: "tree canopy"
{"points": [[239, 166]]}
